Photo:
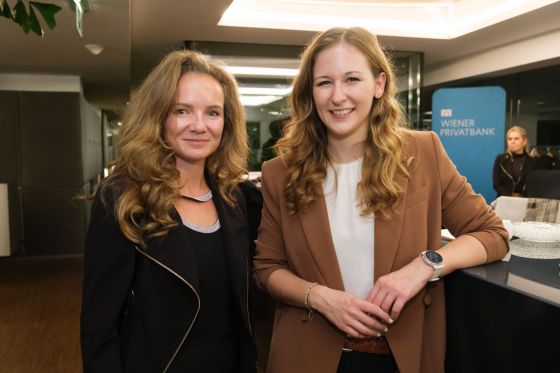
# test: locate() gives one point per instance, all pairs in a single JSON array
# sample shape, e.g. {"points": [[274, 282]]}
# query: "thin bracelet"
{"points": [[306, 302]]}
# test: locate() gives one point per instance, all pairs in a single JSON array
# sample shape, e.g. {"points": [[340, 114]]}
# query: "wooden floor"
{"points": [[40, 311], [39, 314]]}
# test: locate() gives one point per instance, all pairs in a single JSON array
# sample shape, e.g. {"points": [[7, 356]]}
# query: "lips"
{"points": [[196, 140], [341, 113]]}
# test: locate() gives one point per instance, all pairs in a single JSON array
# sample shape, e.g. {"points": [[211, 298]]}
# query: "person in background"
{"points": [[167, 254], [350, 236], [510, 168], [548, 160], [275, 127]]}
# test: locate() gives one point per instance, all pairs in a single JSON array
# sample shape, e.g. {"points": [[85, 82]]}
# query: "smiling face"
{"points": [[344, 89], [195, 123], [516, 142]]}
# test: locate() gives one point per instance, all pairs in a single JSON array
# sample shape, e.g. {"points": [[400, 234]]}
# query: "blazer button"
{"points": [[427, 299]]}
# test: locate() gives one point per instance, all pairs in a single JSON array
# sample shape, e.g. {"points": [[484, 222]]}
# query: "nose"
{"points": [[338, 95], [197, 124]]}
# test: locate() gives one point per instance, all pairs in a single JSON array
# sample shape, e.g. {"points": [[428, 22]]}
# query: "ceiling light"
{"points": [[258, 100], [94, 49], [260, 71], [274, 91], [421, 19]]}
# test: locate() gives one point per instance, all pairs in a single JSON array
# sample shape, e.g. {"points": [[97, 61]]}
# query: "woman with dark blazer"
{"points": [[167, 257], [510, 168]]}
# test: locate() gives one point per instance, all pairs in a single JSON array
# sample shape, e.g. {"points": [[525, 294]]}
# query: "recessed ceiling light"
{"points": [[260, 71], [258, 100], [94, 49], [265, 91]]}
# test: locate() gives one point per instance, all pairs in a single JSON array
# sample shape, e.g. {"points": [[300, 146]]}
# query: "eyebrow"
{"points": [[345, 74], [221, 107]]}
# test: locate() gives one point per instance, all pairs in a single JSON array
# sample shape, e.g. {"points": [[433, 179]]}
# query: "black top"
{"points": [[509, 173], [213, 333]]}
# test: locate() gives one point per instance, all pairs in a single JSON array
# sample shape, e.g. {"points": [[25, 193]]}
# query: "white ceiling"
{"points": [[136, 34]]}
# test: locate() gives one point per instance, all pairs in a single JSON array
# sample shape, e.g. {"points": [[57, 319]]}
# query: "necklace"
{"points": [[203, 198]]}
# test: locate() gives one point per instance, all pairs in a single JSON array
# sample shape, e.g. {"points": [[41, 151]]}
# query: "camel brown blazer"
{"points": [[435, 195]]}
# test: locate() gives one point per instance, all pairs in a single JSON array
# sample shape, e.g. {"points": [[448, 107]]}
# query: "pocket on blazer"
{"points": [[417, 196]]}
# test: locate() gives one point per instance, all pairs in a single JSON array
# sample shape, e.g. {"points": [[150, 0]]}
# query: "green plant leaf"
{"points": [[47, 11], [21, 17], [6, 11], [34, 23]]}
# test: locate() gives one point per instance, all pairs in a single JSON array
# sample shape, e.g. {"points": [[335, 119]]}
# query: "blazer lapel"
{"points": [[388, 232], [315, 223], [174, 253], [387, 235]]}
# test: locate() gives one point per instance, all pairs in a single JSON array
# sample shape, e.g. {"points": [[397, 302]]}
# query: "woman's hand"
{"points": [[355, 317], [392, 291]]}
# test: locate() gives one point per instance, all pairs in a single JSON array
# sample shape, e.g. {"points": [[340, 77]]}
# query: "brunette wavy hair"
{"points": [[144, 181], [304, 144]]}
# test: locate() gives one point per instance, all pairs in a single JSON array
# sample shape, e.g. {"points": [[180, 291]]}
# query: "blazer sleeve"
{"points": [[109, 260], [464, 211], [270, 253]]}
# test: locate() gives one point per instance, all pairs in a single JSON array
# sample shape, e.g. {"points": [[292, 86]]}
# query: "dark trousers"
{"points": [[363, 362]]}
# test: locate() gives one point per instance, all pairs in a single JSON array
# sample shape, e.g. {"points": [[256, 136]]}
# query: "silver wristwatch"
{"points": [[434, 260]]}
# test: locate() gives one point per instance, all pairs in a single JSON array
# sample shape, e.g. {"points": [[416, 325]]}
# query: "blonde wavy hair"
{"points": [[304, 144], [523, 132], [144, 181]]}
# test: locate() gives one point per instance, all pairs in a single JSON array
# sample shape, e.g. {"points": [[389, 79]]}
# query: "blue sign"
{"points": [[471, 125]]}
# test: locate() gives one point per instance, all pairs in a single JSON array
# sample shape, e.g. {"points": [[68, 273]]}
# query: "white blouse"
{"points": [[352, 234]]}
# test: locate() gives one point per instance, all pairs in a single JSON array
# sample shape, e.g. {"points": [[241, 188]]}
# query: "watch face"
{"points": [[434, 257]]}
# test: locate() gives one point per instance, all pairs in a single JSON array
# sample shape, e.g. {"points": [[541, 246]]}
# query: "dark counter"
{"points": [[504, 317]]}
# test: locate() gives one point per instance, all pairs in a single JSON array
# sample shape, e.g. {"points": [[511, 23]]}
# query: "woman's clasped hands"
{"points": [[372, 317], [355, 317]]}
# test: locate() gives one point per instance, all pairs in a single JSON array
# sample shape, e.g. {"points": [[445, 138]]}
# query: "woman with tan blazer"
{"points": [[349, 241]]}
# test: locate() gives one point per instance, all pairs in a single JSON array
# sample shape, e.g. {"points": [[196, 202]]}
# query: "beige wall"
{"points": [[542, 49]]}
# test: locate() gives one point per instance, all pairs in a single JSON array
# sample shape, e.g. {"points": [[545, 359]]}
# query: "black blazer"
{"points": [[139, 305], [503, 171]]}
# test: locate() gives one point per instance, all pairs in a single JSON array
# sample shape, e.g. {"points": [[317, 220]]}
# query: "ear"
{"points": [[380, 85]]}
